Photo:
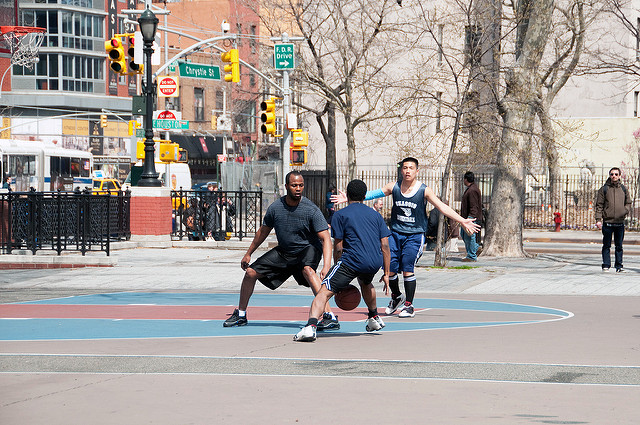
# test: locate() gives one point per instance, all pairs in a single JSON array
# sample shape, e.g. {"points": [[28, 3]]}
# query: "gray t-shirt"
{"points": [[296, 227]]}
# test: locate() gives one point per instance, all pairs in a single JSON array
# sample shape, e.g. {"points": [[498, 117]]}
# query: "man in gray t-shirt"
{"points": [[303, 238]]}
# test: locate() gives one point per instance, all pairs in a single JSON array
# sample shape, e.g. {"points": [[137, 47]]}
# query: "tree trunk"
{"points": [[518, 107], [504, 224], [351, 148], [440, 259], [551, 154], [331, 158]]}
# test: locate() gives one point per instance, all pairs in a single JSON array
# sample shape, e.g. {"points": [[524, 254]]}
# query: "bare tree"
{"points": [[518, 110], [342, 64]]}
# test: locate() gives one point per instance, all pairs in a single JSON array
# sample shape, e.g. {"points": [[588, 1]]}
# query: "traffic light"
{"points": [[298, 156], [115, 50], [268, 116], [233, 67], [103, 121], [134, 67], [183, 155]]}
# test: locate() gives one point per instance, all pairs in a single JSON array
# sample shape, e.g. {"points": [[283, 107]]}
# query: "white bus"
{"points": [[43, 166]]}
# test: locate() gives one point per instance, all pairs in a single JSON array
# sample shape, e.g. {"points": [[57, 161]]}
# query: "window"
{"points": [[253, 39], [219, 100], [472, 44], [638, 39], [440, 41], [439, 112], [198, 104], [70, 30]]}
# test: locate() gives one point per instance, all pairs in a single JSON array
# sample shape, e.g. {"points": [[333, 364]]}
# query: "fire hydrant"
{"points": [[557, 219]]}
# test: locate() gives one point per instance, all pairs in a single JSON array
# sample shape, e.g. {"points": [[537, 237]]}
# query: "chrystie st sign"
{"points": [[195, 70], [283, 56]]}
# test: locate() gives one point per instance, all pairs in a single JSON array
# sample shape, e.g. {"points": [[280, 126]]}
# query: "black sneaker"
{"points": [[328, 323], [619, 270], [235, 320], [394, 303]]}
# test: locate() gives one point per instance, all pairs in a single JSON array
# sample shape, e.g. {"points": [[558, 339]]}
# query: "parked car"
{"points": [[103, 186]]}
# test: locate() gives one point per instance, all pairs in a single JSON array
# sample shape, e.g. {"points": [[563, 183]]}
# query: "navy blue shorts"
{"points": [[406, 250], [274, 267], [340, 276]]}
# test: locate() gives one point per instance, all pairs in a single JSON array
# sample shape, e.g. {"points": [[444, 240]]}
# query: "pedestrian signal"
{"points": [[298, 156]]}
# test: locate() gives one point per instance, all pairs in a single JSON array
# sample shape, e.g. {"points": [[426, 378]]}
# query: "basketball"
{"points": [[348, 298]]}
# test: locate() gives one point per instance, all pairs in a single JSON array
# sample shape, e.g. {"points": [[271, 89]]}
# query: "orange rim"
{"points": [[20, 30]]}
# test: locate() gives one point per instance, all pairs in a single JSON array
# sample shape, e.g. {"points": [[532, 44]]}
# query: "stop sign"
{"points": [[168, 86]]}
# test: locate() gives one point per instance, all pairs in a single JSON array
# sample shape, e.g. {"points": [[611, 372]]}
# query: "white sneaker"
{"points": [[407, 311], [374, 324], [306, 334], [395, 303]]}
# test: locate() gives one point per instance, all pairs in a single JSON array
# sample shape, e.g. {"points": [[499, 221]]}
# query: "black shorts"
{"points": [[340, 276], [275, 267]]}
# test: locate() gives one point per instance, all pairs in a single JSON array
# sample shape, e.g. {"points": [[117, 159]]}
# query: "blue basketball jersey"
{"points": [[408, 213]]}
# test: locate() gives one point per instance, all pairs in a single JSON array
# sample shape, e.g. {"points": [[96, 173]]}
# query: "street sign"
{"points": [[283, 56], [168, 86], [171, 124], [196, 70], [140, 132]]}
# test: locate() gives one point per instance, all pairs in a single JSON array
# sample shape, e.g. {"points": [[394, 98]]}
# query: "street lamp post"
{"points": [[148, 24]]}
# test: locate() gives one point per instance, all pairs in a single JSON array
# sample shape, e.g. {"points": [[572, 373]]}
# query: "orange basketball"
{"points": [[348, 298]]}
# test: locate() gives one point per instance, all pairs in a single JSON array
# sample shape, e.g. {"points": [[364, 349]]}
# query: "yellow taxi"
{"points": [[104, 186]]}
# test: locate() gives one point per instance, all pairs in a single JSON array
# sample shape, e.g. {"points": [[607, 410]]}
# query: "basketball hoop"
{"points": [[24, 42]]}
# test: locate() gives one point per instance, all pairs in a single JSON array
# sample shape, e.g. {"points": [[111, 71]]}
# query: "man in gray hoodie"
{"points": [[612, 206]]}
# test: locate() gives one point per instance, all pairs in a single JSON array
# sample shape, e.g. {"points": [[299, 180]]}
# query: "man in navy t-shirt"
{"points": [[303, 239], [360, 246]]}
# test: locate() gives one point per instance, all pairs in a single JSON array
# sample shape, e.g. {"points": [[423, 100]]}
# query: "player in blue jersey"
{"points": [[408, 226], [360, 246]]}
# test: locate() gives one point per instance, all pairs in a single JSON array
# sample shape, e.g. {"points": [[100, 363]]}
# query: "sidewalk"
{"points": [[205, 266]]}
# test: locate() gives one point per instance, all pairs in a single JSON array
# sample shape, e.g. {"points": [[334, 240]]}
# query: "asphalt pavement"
{"points": [[548, 339]]}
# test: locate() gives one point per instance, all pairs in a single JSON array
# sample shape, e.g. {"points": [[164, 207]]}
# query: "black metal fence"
{"points": [[573, 196], [215, 215], [63, 221]]}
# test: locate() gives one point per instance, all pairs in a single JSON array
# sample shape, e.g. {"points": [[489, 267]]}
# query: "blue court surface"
{"points": [[269, 314]]}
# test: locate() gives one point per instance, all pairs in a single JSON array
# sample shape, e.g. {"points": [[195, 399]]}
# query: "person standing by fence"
{"points": [[612, 206], [471, 207]]}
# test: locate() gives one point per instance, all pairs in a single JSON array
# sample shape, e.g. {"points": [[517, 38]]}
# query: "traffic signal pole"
{"points": [[286, 134]]}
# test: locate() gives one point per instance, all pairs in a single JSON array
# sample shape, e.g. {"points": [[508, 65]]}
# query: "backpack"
{"points": [[606, 187]]}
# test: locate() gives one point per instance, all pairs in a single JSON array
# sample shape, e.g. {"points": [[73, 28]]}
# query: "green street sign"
{"points": [[171, 124], [140, 132], [196, 70], [283, 56]]}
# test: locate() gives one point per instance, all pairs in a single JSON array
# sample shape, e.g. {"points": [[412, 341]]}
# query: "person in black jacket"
{"points": [[471, 208], [612, 206]]}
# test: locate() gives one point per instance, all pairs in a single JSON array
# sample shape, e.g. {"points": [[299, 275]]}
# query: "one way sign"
{"points": [[283, 56]]}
